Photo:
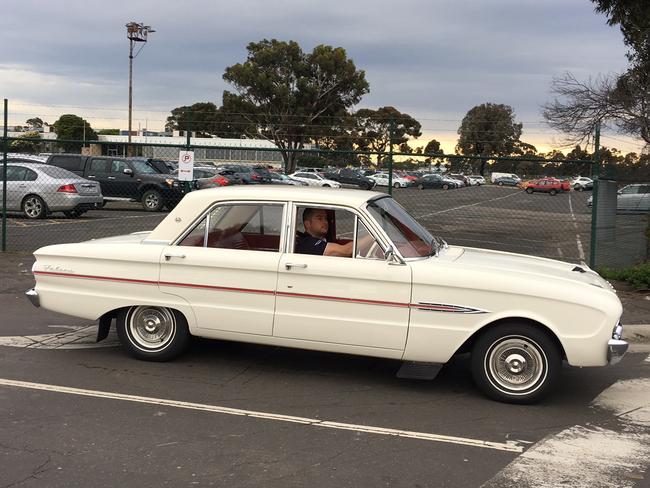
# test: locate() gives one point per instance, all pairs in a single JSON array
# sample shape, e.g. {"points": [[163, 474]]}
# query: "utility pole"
{"points": [[135, 32], [594, 199]]}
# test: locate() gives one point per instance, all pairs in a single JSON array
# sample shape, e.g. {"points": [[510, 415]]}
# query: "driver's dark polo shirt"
{"points": [[308, 244]]}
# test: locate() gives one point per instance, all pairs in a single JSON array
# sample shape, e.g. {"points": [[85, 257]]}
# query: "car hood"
{"points": [[513, 269]]}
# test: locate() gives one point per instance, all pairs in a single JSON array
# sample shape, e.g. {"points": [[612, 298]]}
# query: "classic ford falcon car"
{"points": [[345, 271]]}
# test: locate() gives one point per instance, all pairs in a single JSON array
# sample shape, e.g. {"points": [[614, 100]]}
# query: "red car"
{"points": [[547, 185]]}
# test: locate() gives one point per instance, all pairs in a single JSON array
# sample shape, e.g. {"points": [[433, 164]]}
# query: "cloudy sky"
{"points": [[434, 59]]}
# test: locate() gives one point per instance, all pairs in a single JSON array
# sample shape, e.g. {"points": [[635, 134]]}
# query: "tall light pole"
{"points": [[135, 32]]}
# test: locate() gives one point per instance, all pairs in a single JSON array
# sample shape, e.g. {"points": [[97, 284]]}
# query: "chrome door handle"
{"points": [[111, 177], [292, 265], [168, 256]]}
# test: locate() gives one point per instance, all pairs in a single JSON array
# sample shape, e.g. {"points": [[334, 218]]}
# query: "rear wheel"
{"points": [[500, 183], [529, 190], [153, 333], [152, 201], [578, 188], [420, 186], [516, 363], [34, 207], [445, 186], [396, 185], [553, 192], [326, 186]]}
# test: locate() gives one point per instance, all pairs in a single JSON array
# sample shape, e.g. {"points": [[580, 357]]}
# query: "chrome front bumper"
{"points": [[32, 294], [616, 349]]}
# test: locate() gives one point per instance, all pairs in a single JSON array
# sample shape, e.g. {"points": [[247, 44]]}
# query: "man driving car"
{"points": [[314, 241]]}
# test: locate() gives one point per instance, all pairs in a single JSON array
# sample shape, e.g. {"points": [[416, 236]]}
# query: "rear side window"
{"points": [[99, 166], [71, 163], [56, 172]]}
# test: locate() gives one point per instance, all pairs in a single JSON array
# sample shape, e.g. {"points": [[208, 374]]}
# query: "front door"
{"points": [[226, 267], [360, 300]]}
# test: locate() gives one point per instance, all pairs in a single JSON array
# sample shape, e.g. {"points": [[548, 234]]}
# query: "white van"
{"points": [[494, 176]]}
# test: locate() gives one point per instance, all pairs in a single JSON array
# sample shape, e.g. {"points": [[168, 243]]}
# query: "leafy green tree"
{"points": [[374, 129], [291, 97], [35, 123], [204, 118], [108, 132], [489, 130], [22, 145], [71, 127]]}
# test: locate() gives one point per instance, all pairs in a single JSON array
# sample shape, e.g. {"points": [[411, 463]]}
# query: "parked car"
{"points": [[223, 265], [315, 179], [476, 180], [348, 176], [513, 176], [435, 181], [160, 165], [282, 179], [124, 179], [310, 170], [381, 179], [631, 198], [505, 181], [582, 183], [462, 178], [38, 189], [552, 186]]}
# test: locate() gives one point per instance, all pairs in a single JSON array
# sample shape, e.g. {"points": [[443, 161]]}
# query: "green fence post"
{"points": [[4, 178], [594, 198], [391, 131]]}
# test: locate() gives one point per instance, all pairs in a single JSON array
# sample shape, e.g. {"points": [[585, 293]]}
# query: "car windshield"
{"points": [[142, 167], [411, 239]]}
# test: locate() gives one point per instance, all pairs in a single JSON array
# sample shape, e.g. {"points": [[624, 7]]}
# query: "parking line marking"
{"points": [[468, 205], [511, 446]]}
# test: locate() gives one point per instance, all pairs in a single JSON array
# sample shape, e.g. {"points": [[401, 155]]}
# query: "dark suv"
{"points": [[124, 179], [348, 176]]}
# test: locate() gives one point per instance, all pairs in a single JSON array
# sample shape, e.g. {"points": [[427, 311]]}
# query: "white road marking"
{"points": [[510, 446], [647, 360], [560, 253], [629, 400], [466, 206], [579, 457], [81, 337], [581, 252], [589, 456]]}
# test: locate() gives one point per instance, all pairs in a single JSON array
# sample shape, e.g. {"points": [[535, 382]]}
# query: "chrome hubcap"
{"points": [[151, 201], [151, 327], [516, 364], [33, 207]]}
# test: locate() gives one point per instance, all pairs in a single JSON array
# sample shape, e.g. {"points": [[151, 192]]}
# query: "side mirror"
{"points": [[392, 258], [128, 171]]}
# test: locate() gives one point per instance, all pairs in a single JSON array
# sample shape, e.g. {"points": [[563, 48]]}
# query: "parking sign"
{"points": [[186, 165]]}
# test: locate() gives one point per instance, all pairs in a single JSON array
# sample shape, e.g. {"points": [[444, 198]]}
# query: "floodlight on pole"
{"points": [[135, 32]]}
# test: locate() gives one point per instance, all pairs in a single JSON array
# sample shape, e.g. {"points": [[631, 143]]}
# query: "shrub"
{"points": [[637, 276]]}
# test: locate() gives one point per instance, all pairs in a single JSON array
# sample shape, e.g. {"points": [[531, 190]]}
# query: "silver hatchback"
{"points": [[37, 189]]}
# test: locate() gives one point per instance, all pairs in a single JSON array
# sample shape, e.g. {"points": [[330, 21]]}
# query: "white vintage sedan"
{"points": [[224, 264]]}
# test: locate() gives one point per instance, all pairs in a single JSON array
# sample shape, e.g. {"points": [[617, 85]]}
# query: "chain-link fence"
{"points": [[523, 205]]}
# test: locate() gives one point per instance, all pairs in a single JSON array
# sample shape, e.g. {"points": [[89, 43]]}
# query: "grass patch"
{"points": [[638, 276]]}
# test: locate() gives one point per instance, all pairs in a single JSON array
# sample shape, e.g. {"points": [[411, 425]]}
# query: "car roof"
{"points": [[195, 202]]}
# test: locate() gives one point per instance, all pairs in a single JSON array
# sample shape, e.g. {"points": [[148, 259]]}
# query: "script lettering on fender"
{"points": [[57, 268]]}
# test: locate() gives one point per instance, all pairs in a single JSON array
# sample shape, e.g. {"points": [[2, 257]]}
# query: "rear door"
{"points": [[226, 267]]}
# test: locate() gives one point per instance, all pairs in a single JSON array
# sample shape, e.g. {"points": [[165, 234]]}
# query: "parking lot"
{"points": [[488, 216], [237, 414]]}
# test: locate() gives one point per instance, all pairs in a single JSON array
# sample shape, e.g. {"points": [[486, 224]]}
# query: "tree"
{"points": [[288, 96], [21, 145], [374, 129], [621, 102], [204, 118], [71, 127], [35, 123], [489, 130]]}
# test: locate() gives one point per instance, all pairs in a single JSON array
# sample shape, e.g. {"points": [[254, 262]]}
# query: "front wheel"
{"points": [[152, 201], [500, 183], [326, 185], [553, 192], [396, 185], [516, 363], [420, 186], [445, 186], [153, 333], [529, 190]]}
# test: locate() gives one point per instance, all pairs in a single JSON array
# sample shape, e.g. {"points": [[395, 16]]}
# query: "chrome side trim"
{"points": [[447, 307], [33, 297]]}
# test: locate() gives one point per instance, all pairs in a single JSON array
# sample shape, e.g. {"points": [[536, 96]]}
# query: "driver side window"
{"points": [[366, 245]]}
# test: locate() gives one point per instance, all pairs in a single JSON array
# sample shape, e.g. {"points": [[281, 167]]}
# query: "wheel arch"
{"points": [[469, 343], [106, 319]]}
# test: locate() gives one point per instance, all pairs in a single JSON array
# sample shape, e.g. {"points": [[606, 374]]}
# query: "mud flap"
{"points": [[104, 327], [413, 370]]}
